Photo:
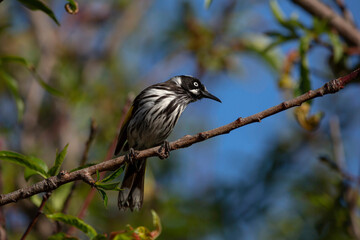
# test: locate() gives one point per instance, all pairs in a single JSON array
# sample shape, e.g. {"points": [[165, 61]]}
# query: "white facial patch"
{"points": [[195, 91]]}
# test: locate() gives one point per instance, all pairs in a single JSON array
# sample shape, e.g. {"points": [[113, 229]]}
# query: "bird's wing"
{"points": [[122, 138]]}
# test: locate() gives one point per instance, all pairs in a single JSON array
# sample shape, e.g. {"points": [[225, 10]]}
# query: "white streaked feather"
{"points": [[151, 132]]}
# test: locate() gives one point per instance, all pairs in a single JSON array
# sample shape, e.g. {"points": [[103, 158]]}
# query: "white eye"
{"points": [[196, 84]]}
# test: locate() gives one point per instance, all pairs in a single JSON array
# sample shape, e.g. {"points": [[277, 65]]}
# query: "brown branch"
{"points": [[338, 147], [342, 26], [38, 213], [335, 166], [345, 11], [52, 183], [2, 214], [93, 128]]}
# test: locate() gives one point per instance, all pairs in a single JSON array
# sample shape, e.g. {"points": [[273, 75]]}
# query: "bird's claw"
{"points": [[164, 150], [129, 158]]}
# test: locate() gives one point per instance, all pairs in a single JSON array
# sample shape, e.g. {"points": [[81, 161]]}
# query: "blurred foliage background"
{"points": [[293, 176]]}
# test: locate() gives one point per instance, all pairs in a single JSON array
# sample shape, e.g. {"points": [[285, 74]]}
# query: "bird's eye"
{"points": [[196, 84]]}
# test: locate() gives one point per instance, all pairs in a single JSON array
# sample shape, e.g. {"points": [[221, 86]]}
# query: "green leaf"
{"points": [[28, 173], [320, 25], [46, 86], [72, 7], [278, 41], [16, 59], [207, 3], [61, 236], [14, 88], [32, 163], [290, 24], [58, 161], [97, 175], [103, 196], [305, 84], [113, 175], [38, 5], [338, 49], [75, 222], [276, 11], [31, 68], [157, 223], [100, 237], [123, 236], [108, 186]]}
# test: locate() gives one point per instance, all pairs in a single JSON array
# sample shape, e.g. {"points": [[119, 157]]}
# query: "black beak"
{"points": [[206, 94]]}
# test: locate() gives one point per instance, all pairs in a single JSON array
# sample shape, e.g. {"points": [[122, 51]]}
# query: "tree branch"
{"points": [[63, 177], [318, 9], [345, 11]]}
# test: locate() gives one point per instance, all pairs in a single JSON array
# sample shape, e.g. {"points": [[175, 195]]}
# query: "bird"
{"points": [[148, 123]]}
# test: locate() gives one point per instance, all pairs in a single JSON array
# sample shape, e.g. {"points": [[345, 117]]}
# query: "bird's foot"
{"points": [[164, 150], [129, 158]]}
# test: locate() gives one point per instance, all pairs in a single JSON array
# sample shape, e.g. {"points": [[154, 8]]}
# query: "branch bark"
{"points": [[64, 177], [318, 9]]}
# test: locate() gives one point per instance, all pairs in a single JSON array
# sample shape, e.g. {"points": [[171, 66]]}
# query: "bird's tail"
{"points": [[131, 194]]}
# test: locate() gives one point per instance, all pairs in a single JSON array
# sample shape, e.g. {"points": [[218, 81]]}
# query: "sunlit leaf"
{"points": [[100, 237], [276, 11], [307, 121], [75, 222], [38, 5], [259, 44], [207, 3], [13, 86], [123, 236], [32, 163], [286, 81], [72, 7], [157, 223], [338, 49], [58, 161]]}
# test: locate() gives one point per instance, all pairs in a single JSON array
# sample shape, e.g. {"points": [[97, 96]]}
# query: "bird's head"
{"points": [[194, 88]]}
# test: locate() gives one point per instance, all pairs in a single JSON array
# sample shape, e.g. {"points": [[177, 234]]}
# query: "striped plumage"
{"points": [[149, 122]]}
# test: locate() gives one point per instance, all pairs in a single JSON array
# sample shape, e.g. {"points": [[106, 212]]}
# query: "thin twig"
{"points": [[52, 183], [2, 215], [338, 147], [322, 11], [38, 213], [349, 193], [345, 11], [84, 158], [93, 128]]}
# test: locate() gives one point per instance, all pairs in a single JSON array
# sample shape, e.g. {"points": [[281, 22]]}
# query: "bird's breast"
{"points": [[154, 120]]}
